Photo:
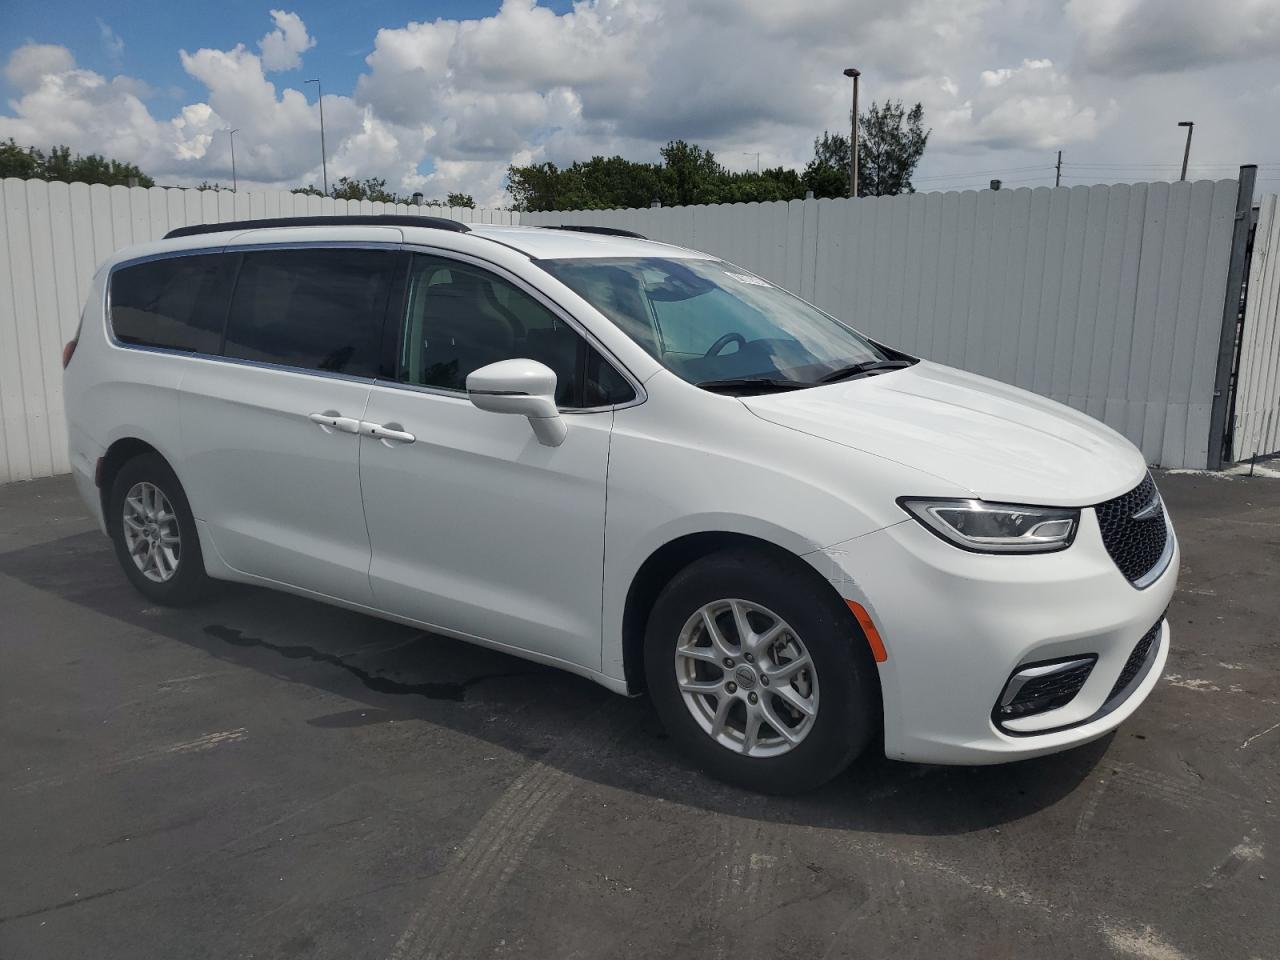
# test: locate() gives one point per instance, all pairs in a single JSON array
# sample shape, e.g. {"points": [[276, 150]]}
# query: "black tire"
{"points": [[848, 706], [189, 582]]}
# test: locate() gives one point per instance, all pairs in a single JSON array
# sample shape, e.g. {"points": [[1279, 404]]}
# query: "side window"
{"points": [[318, 308], [460, 318], [179, 303]]}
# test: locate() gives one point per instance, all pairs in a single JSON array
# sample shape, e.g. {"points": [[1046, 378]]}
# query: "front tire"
{"points": [[760, 673], [154, 533]]}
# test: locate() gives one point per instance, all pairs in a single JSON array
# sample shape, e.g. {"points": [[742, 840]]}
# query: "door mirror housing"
{"points": [[524, 387]]}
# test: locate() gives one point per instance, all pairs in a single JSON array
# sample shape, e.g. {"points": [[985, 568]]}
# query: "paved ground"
{"points": [[267, 777]]}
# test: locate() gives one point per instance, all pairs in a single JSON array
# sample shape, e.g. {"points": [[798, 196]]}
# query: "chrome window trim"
{"points": [[572, 322]]}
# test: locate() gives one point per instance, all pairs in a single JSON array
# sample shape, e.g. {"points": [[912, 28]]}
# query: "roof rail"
{"points": [[357, 220], [607, 231]]}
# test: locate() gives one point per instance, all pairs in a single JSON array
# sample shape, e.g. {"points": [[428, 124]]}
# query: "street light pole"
{"points": [[1186, 153], [324, 166], [232, 136], [853, 139]]}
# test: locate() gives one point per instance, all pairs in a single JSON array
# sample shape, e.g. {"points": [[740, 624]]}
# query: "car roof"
{"points": [[548, 243], [538, 243]]}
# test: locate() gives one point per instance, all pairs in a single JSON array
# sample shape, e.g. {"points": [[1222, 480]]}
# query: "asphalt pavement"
{"points": [[264, 776]]}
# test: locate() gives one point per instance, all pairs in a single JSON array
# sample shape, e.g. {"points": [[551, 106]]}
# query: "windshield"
{"points": [[708, 321]]}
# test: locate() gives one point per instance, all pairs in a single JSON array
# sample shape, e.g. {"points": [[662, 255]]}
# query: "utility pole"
{"points": [[853, 139], [324, 167], [1057, 177], [1186, 153], [748, 153], [232, 136]]}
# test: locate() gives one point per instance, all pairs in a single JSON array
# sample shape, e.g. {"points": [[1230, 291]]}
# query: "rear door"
{"points": [[270, 442]]}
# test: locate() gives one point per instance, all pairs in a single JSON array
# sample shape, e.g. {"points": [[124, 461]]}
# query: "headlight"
{"points": [[996, 527]]}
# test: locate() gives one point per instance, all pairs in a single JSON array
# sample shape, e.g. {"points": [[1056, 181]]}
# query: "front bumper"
{"points": [[957, 624]]}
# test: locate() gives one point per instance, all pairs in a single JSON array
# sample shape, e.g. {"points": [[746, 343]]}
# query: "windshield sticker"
{"points": [[747, 278]]}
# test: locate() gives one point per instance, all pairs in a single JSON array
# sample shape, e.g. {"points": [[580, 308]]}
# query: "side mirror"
{"points": [[523, 387]]}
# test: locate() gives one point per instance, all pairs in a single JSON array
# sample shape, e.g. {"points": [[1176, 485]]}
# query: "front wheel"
{"points": [[760, 672], [154, 533]]}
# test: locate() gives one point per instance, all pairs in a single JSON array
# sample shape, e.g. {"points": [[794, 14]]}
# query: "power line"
{"points": [[970, 174]]}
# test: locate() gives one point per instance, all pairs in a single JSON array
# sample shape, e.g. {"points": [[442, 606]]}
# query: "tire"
{"points": [[178, 577], [843, 689]]}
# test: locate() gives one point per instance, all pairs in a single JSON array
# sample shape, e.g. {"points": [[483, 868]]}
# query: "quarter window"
{"points": [[460, 318], [318, 308], [179, 303]]}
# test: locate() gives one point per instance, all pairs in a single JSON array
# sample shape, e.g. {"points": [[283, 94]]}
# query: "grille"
{"points": [[1134, 545], [1041, 694], [1136, 660]]}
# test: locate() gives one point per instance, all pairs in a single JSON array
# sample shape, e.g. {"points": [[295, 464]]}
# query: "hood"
{"points": [[1000, 442]]}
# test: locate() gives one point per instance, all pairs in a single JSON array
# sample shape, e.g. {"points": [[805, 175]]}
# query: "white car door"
{"points": [[269, 435], [475, 526]]}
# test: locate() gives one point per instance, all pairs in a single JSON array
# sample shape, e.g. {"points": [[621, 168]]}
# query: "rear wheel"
{"points": [[154, 533], [759, 671]]}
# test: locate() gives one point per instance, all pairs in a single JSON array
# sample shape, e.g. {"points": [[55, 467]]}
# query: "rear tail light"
{"points": [[68, 351]]}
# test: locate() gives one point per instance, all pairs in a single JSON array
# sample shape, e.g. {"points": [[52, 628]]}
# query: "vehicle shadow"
{"points": [[401, 674]]}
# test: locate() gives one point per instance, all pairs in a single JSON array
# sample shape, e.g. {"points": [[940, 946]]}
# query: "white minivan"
{"points": [[633, 461]]}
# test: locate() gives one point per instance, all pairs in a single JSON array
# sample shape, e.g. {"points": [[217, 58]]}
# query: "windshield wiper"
{"points": [[754, 384], [865, 367]]}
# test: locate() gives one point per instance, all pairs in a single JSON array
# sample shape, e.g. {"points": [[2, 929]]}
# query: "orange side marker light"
{"points": [[869, 628]]}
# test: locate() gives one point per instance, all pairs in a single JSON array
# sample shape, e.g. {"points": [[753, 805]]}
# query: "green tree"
{"points": [[32, 163], [349, 188], [891, 140], [827, 174], [890, 143], [688, 174], [461, 200]]}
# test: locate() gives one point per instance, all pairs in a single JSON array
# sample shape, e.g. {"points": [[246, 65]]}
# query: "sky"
{"points": [[442, 96]]}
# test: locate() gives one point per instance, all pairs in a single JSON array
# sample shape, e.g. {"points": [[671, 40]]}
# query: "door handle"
{"points": [[390, 432], [332, 420]]}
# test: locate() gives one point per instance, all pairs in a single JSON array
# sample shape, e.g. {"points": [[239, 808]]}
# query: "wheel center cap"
{"points": [[746, 677]]}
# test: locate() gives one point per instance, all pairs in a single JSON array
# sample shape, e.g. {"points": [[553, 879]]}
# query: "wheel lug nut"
{"points": [[752, 697], [728, 661], [731, 687], [749, 658], [764, 680]]}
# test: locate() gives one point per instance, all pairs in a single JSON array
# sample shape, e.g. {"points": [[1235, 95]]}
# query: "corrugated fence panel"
{"points": [[1257, 422], [53, 236], [1106, 298]]}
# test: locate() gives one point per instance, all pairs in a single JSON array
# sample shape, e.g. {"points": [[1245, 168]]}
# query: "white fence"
{"points": [[1107, 298], [1257, 424], [53, 236]]}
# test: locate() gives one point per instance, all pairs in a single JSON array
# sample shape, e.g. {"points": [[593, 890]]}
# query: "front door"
{"points": [[269, 434], [475, 526]]}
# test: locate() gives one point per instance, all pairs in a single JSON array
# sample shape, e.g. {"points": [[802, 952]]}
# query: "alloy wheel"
{"points": [[747, 678], [151, 534]]}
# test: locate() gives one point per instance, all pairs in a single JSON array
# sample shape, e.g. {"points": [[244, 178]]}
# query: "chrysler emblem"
{"points": [[1151, 510]]}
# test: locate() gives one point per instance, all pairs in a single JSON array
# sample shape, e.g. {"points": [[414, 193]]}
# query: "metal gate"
{"points": [[1257, 398]]}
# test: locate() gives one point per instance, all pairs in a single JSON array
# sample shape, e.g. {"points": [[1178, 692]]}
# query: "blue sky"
{"points": [[450, 93], [153, 31]]}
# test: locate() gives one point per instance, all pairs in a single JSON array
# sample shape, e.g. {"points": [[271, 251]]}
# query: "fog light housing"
{"points": [[1041, 687]]}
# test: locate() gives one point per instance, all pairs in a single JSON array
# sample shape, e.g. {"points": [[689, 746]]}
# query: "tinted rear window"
{"points": [[319, 309], [179, 303]]}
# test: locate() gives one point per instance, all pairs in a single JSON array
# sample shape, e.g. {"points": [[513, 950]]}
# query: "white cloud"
{"points": [[283, 47], [112, 44], [448, 104], [1130, 37]]}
